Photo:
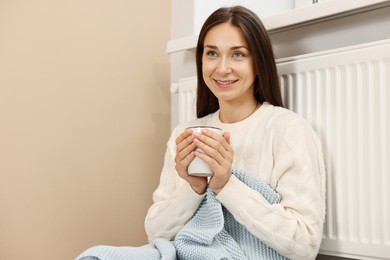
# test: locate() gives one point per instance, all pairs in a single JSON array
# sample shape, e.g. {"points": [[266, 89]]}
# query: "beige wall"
{"points": [[84, 118]]}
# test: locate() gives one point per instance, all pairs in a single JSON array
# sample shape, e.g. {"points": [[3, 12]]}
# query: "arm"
{"points": [[174, 201], [293, 227]]}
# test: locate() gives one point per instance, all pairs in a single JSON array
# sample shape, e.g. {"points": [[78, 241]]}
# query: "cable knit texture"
{"points": [[279, 147], [212, 233]]}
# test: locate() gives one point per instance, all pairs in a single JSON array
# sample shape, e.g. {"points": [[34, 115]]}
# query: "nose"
{"points": [[223, 66]]}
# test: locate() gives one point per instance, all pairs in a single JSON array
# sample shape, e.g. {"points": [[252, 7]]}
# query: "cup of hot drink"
{"points": [[198, 167]]}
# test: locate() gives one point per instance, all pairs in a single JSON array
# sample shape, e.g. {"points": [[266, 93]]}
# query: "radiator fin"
{"points": [[346, 97]]}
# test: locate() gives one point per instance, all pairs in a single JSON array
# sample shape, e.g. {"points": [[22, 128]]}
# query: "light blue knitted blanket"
{"points": [[212, 233]]}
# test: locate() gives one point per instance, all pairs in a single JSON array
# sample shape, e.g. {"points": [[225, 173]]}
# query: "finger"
{"points": [[209, 160], [226, 135], [183, 136], [183, 162], [210, 147], [210, 138], [185, 156], [184, 140], [212, 141], [185, 150], [215, 165], [224, 139], [218, 150]]}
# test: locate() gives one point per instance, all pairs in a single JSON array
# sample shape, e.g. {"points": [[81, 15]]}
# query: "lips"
{"points": [[225, 83]]}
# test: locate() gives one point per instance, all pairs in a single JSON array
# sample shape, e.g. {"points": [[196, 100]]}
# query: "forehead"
{"points": [[225, 34]]}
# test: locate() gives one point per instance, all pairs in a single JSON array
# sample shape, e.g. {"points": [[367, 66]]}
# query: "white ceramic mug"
{"points": [[198, 167]]}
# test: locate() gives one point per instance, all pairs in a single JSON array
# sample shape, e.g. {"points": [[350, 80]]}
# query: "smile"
{"points": [[225, 82]]}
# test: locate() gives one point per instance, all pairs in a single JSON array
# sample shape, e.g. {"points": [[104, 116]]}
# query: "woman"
{"points": [[238, 91]]}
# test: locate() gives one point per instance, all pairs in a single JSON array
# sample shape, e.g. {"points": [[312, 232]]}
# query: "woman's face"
{"points": [[228, 68]]}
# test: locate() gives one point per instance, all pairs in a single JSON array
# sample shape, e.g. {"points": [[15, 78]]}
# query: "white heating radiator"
{"points": [[345, 94]]}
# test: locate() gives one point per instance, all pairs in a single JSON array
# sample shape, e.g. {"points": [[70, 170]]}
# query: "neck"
{"points": [[230, 113]]}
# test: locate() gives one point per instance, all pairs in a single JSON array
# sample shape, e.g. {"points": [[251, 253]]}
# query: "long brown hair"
{"points": [[266, 85]]}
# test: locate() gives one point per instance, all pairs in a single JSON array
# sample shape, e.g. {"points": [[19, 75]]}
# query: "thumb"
{"points": [[226, 135]]}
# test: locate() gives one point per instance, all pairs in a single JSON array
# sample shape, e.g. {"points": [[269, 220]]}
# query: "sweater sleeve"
{"points": [[174, 201], [293, 227]]}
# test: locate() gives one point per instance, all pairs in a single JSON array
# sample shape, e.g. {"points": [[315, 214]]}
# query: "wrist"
{"points": [[199, 189]]}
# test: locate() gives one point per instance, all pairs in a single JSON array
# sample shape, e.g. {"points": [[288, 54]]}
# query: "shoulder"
{"points": [[284, 119], [290, 128]]}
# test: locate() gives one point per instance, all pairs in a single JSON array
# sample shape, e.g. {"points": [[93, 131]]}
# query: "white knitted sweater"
{"points": [[282, 149]]}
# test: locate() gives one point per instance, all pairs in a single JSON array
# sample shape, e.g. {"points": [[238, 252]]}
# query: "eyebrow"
{"points": [[233, 48]]}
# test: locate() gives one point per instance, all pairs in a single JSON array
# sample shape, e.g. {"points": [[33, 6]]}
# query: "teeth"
{"points": [[226, 82]]}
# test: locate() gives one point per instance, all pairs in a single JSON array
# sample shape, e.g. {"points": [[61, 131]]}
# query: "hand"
{"points": [[218, 154], [184, 155]]}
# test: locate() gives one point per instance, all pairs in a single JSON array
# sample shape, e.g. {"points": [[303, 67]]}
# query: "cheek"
{"points": [[206, 67], [249, 73], [206, 71], [251, 77]]}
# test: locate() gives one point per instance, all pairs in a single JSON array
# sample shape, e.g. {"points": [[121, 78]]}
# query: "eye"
{"points": [[211, 54], [238, 55]]}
